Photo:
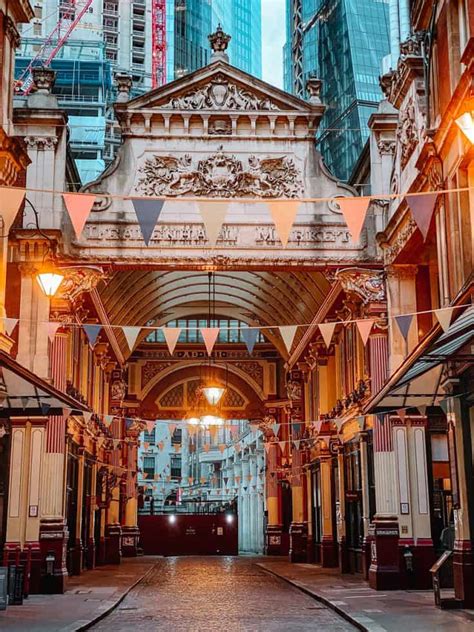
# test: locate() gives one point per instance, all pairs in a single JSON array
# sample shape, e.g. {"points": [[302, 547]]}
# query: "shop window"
{"points": [[149, 466]]}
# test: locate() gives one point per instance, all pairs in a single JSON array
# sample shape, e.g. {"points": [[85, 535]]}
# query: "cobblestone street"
{"points": [[214, 594]]}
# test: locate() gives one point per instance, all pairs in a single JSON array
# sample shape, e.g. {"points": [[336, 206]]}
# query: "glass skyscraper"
{"points": [[342, 42], [242, 19]]}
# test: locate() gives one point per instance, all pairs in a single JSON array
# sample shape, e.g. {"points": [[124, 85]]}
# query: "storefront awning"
{"points": [[26, 394], [417, 381]]}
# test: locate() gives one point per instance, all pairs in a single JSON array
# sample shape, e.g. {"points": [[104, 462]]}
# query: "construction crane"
{"points": [[70, 14], [158, 43]]}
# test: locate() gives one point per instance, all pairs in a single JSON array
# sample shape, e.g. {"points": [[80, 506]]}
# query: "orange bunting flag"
{"points": [[131, 335], [190, 480], [364, 327], [79, 207], [161, 445], [171, 335], [283, 214], [444, 316], [171, 428], [402, 413], [210, 335], [354, 210], [221, 447], [177, 447], [327, 331], [10, 201], [206, 447], [288, 334], [213, 216]]}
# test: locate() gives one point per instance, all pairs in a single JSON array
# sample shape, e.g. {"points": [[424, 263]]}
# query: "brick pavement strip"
{"points": [[88, 598], [216, 594], [351, 597]]}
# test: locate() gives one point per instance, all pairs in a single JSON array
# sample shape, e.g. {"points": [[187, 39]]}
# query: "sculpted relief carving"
{"points": [[220, 95], [219, 175], [407, 132]]}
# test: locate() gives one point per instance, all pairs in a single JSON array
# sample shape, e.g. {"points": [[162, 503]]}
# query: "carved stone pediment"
{"points": [[219, 175], [220, 94]]}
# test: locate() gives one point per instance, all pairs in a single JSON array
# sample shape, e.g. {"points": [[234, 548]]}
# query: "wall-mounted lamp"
{"points": [[465, 122]]}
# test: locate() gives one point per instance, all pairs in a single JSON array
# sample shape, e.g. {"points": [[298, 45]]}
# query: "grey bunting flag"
{"points": [[92, 332], [422, 208], [404, 322], [147, 212], [249, 336]]}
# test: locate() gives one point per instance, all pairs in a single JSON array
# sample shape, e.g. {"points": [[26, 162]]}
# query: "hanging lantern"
{"points": [[213, 394], [49, 280]]}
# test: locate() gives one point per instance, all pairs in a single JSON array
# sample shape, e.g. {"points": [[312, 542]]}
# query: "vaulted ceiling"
{"points": [[261, 298]]}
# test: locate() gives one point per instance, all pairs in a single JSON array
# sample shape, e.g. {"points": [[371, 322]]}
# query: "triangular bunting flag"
{"points": [[249, 336], [288, 333], [444, 404], [150, 426], [297, 443], [10, 324], [422, 208], [267, 445], [87, 416], [401, 412], [24, 402], [422, 409], [210, 335], [108, 419], [92, 332], [45, 408], [131, 335], [275, 427], [283, 214], [282, 445], [404, 322], [52, 328], [67, 412], [213, 216], [354, 210], [171, 335], [147, 212], [10, 202], [79, 207], [327, 332], [171, 428], [221, 448], [444, 317], [206, 447], [365, 327]]}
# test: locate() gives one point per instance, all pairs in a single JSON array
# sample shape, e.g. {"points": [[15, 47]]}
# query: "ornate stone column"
{"points": [[130, 530], [245, 495], [273, 534], [299, 524], [328, 544]]}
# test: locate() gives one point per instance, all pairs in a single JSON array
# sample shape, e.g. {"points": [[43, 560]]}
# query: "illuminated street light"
{"points": [[465, 122], [213, 394], [49, 281]]}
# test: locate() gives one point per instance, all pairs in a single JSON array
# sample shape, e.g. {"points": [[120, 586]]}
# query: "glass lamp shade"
{"points": [[211, 420], [213, 394], [465, 122], [49, 282]]}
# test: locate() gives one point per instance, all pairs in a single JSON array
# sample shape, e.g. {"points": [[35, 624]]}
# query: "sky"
{"points": [[273, 38]]}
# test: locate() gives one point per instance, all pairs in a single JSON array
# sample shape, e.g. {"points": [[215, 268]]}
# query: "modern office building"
{"points": [[342, 43], [242, 19], [117, 35]]}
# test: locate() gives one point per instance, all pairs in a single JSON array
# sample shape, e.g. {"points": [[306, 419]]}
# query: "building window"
{"points": [[230, 330], [149, 466], [176, 466], [149, 437]]}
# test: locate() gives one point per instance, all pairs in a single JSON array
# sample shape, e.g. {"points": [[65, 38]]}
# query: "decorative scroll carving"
{"points": [[41, 143], [150, 369], [294, 390], [403, 235], [220, 94], [407, 132], [252, 369], [220, 175], [368, 285], [79, 280]]}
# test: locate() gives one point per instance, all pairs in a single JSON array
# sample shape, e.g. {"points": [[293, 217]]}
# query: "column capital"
{"points": [[401, 271]]}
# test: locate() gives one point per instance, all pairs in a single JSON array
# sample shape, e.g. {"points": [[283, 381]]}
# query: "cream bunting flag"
{"points": [[283, 213], [327, 332], [354, 210], [171, 335], [213, 217], [79, 207], [288, 332], [131, 334], [52, 327], [444, 317], [365, 327], [210, 335], [10, 324], [10, 201], [87, 416]]}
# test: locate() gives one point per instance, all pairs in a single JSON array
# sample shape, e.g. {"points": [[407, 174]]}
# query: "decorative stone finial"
{"points": [[124, 85], [43, 79], [219, 42], [313, 88]]}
